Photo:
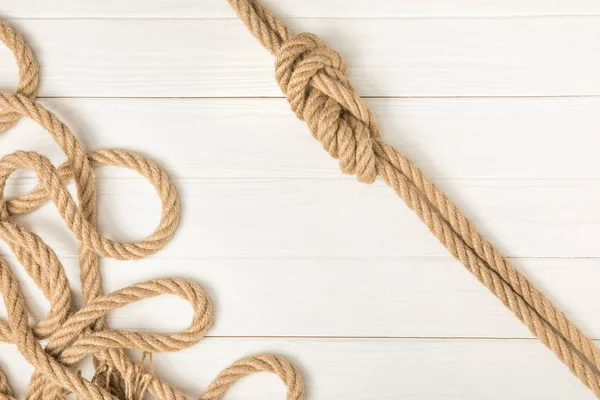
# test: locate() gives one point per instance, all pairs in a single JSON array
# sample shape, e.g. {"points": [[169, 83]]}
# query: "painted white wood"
{"points": [[480, 139], [299, 259], [340, 218], [438, 57], [371, 369], [294, 8], [374, 298]]}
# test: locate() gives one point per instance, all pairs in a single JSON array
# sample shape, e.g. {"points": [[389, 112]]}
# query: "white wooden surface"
{"points": [[497, 100], [537, 56]]}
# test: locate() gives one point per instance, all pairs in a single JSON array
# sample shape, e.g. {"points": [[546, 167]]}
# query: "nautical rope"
{"points": [[314, 79], [75, 334]]}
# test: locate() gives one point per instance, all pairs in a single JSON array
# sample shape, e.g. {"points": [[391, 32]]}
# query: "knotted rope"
{"points": [[75, 334], [314, 79]]}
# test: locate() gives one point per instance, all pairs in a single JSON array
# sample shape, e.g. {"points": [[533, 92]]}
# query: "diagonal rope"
{"points": [[314, 79]]}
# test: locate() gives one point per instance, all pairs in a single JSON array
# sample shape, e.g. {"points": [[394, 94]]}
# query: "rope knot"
{"points": [[315, 80], [299, 60]]}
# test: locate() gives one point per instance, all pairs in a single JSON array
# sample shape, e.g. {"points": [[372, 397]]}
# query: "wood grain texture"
{"points": [[497, 100], [297, 218], [440, 57], [339, 369], [295, 8], [508, 139], [391, 298], [339, 218]]}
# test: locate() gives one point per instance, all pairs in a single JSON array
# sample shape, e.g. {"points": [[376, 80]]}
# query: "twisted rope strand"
{"points": [[5, 390], [76, 334], [28, 71], [70, 343], [314, 79], [251, 365]]}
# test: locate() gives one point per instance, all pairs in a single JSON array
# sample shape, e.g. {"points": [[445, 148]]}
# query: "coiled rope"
{"points": [[75, 334], [314, 79]]}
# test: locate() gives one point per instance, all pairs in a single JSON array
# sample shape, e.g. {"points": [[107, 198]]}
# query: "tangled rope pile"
{"points": [[75, 334], [314, 79]]}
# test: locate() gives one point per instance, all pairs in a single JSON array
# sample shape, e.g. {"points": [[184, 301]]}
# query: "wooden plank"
{"points": [[370, 369], [484, 139], [373, 297], [291, 8], [341, 218], [218, 58]]}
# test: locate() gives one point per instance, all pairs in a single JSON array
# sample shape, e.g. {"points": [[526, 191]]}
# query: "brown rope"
{"points": [[314, 79], [75, 334]]}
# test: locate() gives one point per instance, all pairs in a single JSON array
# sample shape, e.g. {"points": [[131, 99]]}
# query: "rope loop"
{"points": [[53, 186], [73, 341], [277, 365], [78, 333], [28, 72]]}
